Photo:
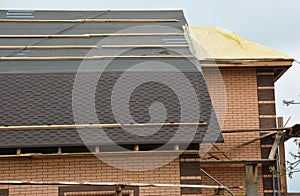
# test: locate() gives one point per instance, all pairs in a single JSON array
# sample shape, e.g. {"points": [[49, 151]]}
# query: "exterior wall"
{"points": [[82, 169], [242, 112], [248, 104]]}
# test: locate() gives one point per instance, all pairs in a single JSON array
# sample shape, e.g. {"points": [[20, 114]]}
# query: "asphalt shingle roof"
{"points": [[40, 92]]}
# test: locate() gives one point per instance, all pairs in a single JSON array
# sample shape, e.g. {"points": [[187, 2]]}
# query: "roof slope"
{"points": [[211, 42], [43, 54]]}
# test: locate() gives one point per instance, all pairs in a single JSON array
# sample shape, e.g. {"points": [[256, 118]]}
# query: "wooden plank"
{"points": [[97, 149], [283, 181], [49, 47], [145, 46], [237, 161], [257, 130], [109, 154], [72, 58], [90, 20], [215, 180], [93, 126], [136, 147], [275, 146], [51, 183], [232, 63], [92, 35], [250, 141]]}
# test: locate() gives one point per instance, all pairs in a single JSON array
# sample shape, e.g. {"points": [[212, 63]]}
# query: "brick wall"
{"points": [[242, 112], [229, 175], [241, 96], [82, 169], [241, 109]]}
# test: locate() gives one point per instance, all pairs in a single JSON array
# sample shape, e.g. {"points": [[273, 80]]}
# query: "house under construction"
{"points": [[136, 103]]}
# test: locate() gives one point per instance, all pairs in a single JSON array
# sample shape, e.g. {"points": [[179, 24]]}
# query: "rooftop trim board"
{"points": [[93, 20]]}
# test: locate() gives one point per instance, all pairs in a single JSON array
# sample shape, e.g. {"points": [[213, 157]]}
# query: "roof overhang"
{"points": [[280, 66]]}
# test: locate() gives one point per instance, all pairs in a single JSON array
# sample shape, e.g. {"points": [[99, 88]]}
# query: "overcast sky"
{"points": [[274, 23]]}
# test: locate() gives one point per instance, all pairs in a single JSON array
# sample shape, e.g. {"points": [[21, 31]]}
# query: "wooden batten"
{"points": [[144, 46], [93, 126], [89, 20], [72, 58], [92, 35], [48, 47]]}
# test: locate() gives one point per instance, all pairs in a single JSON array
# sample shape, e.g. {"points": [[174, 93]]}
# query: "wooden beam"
{"points": [[52, 183], [48, 47], [145, 46], [250, 141], [92, 35], [72, 58], [136, 147], [257, 130], [237, 161], [275, 146], [216, 181], [97, 149], [90, 20], [91, 46], [232, 63], [283, 181], [109, 154], [93, 126]]}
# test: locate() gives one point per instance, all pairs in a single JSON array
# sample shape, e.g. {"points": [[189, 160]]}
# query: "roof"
{"points": [[212, 42], [43, 53]]}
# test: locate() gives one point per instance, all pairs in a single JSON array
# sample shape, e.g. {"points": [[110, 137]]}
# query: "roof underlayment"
{"points": [[212, 42]]}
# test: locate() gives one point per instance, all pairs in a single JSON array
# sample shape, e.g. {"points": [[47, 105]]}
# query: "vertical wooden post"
{"points": [[19, 151], [283, 181], [97, 149], [136, 147], [251, 179], [58, 150]]}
